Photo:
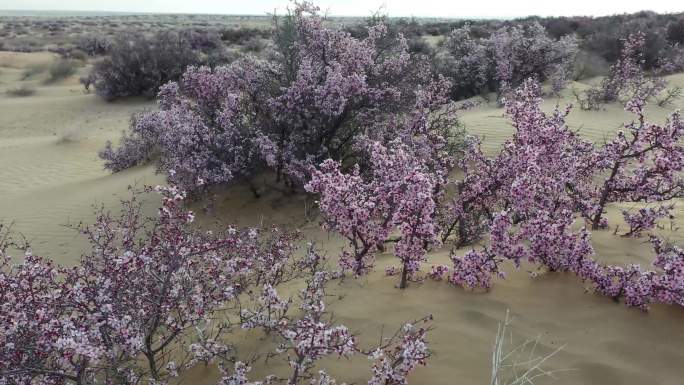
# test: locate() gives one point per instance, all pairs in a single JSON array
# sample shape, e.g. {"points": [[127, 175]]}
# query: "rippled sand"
{"points": [[50, 176]]}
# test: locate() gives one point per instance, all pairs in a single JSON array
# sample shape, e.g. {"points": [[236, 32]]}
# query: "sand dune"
{"points": [[50, 176]]}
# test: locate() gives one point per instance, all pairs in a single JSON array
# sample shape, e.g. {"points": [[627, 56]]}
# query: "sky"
{"points": [[403, 8]]}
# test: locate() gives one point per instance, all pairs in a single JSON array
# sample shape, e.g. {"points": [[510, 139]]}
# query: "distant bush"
{"points": [[92, 44], [77, 54], [589, 65], [32, 70], [26, 44], [203, 40], [61, 69], [221, 56], [69, 51], [139, 65], [241, 35], [21, 91], [626, 79], [418, 45], [505, 59], [675, 31], [672, 59], [254, 44]]}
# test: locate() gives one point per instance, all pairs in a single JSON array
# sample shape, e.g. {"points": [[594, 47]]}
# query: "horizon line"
{"points": [[95, 13]]}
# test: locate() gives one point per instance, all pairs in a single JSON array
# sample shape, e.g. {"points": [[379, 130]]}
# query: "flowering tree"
{"points": [[409, 160], [397, 195], [145, 288], [505, 59], [626, 79], [643, 162], [312, 99], [306, 339], [546, 176], [174, 280], [476, 195], [520, 53], [529, 181], [467, 61]]}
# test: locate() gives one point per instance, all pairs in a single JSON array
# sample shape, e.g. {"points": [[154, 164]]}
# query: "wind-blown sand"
{"points": [[50, 175]]}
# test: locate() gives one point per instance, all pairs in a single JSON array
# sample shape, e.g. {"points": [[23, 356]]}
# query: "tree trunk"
{"points": [[404, 278]]}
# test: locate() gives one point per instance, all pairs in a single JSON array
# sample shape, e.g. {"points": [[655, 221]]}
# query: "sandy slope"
{"points": [[50, 175]]}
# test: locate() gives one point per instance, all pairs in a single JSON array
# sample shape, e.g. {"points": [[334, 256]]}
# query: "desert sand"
{"points": [[50, 176]]}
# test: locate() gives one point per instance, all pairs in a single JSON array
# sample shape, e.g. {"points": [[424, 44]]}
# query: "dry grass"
{"points": [[518, 364]]}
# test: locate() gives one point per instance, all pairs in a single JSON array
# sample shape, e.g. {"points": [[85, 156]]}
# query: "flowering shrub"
{"points": [[155, 297], [626, 78], [505, 59], [637, 286], [642, 163], [306, 339], [409, 161], [475, 269], [545, 176], [528, 179], [144, 287], [398, 195], [201, 135], [313, 99]]}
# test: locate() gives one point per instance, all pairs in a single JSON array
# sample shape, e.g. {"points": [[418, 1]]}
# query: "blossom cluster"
{"points": [[398, 358], [305, 339], [475, 269], [644, 219]]}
